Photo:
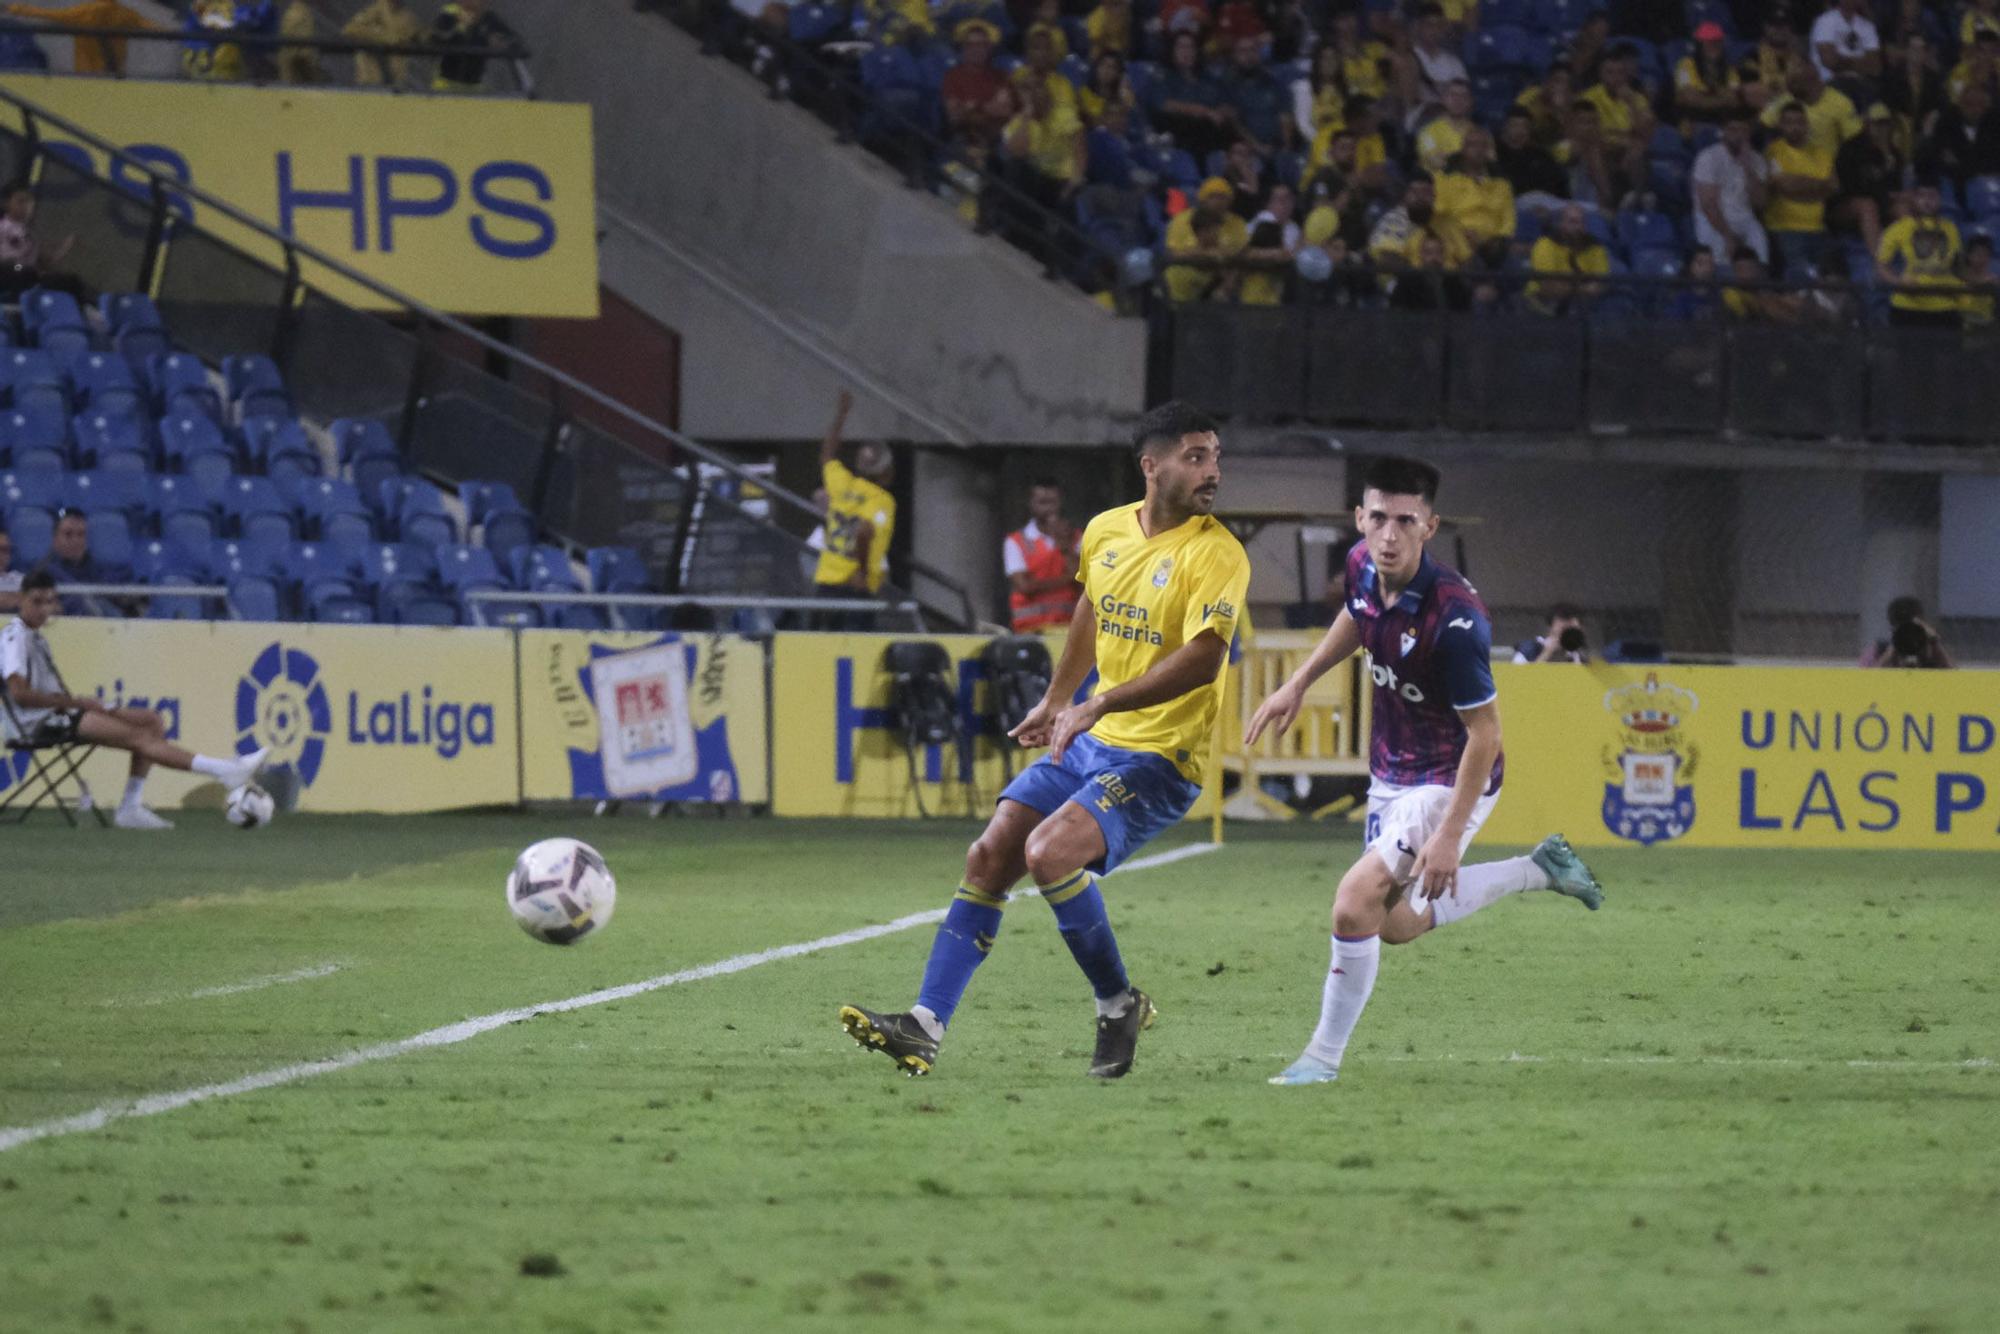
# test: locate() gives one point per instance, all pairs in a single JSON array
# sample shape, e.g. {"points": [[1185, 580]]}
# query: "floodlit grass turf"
{"points": [[1692, 1151]]}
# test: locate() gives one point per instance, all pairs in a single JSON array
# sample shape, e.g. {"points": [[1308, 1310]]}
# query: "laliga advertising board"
{"points": [[1750, 757], [479, 206], [409, 718]]}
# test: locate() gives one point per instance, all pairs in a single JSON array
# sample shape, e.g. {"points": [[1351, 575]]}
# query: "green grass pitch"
{"points": [[1756, 1092]]}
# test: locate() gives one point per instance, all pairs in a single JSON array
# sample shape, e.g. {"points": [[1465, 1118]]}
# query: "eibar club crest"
{"points": [[1649, 795], [1164, 572], [1409, 642]]}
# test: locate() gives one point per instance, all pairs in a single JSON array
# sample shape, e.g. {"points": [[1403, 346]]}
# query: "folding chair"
{"points": [[54, 759]]}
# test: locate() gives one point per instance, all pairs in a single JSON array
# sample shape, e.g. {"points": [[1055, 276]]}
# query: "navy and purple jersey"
{"points": [[1431, 655]]}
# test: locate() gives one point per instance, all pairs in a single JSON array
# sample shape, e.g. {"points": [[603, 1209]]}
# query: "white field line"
{"points": [[13, 1137], [1766, 1062], [236, 988]]}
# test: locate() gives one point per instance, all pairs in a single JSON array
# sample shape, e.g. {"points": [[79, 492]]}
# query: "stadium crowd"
{"points": [[1472, 154], [212, 50]]}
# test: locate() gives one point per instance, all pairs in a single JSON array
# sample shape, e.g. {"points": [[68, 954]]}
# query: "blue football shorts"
{"points": [[1132, 794]]}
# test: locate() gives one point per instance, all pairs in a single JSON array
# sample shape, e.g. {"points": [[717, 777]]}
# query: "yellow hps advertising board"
{"points": [[1749, 757], [837, 749], [371, 718], [407, 718], [479, 206]]}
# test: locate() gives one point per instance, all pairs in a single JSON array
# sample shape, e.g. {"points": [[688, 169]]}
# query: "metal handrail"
{"points": [[659, 600], [163, 183], [143, 590]]}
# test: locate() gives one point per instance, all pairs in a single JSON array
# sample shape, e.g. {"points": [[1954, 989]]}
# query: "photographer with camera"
{"points": [[1911, 641], [1562, 641]]}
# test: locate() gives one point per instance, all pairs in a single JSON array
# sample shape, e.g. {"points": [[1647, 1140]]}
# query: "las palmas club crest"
{"points": [[1650, 793]]}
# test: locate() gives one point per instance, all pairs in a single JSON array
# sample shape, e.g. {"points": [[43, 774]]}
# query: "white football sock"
{"points": [[1348, 983], [928, 1021], [211, 767], [1114, 1007], [1487, 883], [132, 788]]}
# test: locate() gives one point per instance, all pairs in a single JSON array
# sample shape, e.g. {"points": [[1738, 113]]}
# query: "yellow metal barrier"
{"points": [[1329, 739]]}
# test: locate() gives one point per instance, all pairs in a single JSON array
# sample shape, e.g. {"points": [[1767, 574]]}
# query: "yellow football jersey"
{"points": [[852, 500], [1151, 595]]}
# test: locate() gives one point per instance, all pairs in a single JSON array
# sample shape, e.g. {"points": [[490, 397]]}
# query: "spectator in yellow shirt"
{"points": [[1397, 241], [1802, 180], [1478, 202], [1208, 233], [1109, 28], [1274, 241], [1980, 16], [1624, 118], [1046, 144], [1767, 74], [1831, 119], [1917, 253], [390, 23], [1706, 86], [1548, 106], [860, 520], [1043, 66], [1108, 84], [1565, 254], [1364, 62], [1371, 155], [1981, 66], [1443, 135]]}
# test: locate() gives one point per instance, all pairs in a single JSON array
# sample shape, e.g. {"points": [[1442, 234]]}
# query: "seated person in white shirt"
{"points": [[40, 710]]}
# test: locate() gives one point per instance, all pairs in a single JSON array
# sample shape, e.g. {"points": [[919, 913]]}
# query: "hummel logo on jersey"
{"points": [[1110, 561], [1409, 642], [1462, 622], [1386, 676]]}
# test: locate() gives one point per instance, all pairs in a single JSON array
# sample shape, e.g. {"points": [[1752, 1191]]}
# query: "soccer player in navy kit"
{"points": [[1434, 755]]}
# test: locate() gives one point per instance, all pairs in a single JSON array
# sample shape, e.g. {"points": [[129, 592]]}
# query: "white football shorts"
{"points": [[1402, 819]]}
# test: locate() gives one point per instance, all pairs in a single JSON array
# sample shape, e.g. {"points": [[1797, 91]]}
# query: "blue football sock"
{"points": [[963, 940], [1079, 910]]}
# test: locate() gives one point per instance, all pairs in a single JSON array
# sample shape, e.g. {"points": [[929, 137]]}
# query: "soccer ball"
{"points": [[560, 891], [249, 806]]}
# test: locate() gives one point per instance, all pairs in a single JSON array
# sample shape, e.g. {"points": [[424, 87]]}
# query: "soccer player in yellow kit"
{"points": [[1163, 589]]}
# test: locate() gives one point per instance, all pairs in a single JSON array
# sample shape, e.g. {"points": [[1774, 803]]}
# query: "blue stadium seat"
{"points": [[268, 439], [179, 379], [129, 310], [426, 611], [65, 344], [231, 560], [1641, 229], [360, 437], [139, 344], [341, 611], [414, 510], [99, 435], [1982, 197], [192, 529], [176, 608], [397, 572], [483, 498], [21, 430], [463, 567], [255, 598], [617, 570], [22, 367], [32, 527], [540, 567], [44, 490], [257, 512], [132, 493], [112, 543], [320, 572], [247, 373], [105, 383], [508, 530], [575, 616], [47, 308], [188, 435], [46, 404], [157, 560]]}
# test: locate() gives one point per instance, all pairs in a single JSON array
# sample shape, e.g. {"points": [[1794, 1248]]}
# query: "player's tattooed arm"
{"points": [[1281, 709]]}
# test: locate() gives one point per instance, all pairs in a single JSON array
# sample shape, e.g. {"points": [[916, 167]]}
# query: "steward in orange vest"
{"points": [[1040, 560]]}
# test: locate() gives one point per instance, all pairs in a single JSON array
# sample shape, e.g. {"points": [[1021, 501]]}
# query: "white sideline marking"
{"points": [[13, 1137], [237, 988], [1517, 1058]]}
